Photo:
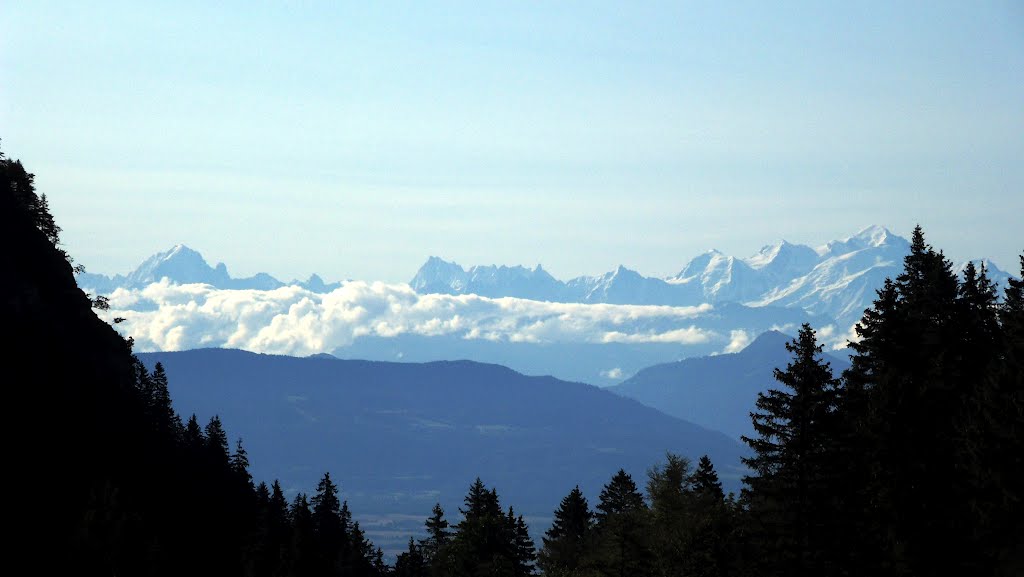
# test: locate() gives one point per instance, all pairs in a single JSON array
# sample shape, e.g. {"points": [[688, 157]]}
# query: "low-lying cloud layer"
{"points": [[294, 321]]}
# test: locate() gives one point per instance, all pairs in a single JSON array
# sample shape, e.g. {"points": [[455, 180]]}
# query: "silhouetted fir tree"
{"points": [[44, 220], [303, 559], [194, 437], [483, 542], [277, 530], [360, 558], [217, 443], [240, 465], [143, 382], [621, 530], [438, 538], [331, 532], [669, 490], [167, 422], [523, 553], [793, 472], [710, 550], [411, 562], [705, 482], [620, 495], [564, 544], [258, 555]]}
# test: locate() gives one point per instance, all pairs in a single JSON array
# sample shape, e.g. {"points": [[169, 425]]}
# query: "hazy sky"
{"points": [[356, 139]]}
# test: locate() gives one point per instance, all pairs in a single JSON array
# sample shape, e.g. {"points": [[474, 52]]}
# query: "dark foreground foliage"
{"points": [[910, 463]]}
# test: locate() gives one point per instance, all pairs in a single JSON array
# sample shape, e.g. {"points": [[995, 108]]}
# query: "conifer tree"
{"points": [[566, 541], [622, 547], [278, 528], [522, 551], [484, 542], [331, 531], [669, 490], [411, 562], [303, 553], [438, 537], [710, 544], [240, 465], [217, 442], [705, 482], [193, 437], [359, 557], [480, 534], [167, 421], [792, 470]]}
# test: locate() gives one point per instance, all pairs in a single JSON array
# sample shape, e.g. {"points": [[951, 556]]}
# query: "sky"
{"points": [[355, 139]]}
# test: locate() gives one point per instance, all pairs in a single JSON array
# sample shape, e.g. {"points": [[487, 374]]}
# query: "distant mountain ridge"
{"points": [[399, 437], [183, 265], [837, 280]]}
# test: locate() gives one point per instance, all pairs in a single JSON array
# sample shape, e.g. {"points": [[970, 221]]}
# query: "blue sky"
{"points": [[355, 139]]}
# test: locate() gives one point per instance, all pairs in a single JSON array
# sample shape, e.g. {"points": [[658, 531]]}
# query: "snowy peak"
{"points": [[180, 264], [439, 276], [874, 236], [720, 277], [698, 265], [767, 254], [783, 261]]}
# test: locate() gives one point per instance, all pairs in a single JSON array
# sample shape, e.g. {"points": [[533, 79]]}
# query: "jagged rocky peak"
{"points": [[180, 263], [439, 276], [622, 271], [178, 253]]}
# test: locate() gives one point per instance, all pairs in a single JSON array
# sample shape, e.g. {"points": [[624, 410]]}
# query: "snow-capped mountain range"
{"points": [[837, 280], [182, 265]]}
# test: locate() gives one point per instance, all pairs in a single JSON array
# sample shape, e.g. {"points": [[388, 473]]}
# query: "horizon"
{"points": [[362, 139]]}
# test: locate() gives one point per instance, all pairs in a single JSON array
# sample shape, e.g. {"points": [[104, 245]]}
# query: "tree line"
{"points": [[909, 463]]}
